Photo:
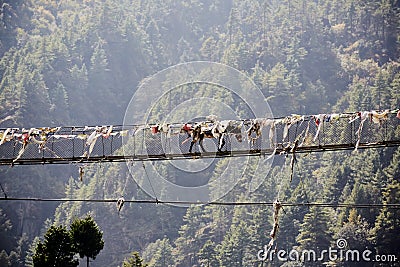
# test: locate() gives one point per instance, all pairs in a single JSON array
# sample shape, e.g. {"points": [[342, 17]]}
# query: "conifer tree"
{"points": [[386, 233], [356, 232], [159, 254], [208, 254], [55, 250], [134, 261], [232, 251], [87, 239], [314, 231]]}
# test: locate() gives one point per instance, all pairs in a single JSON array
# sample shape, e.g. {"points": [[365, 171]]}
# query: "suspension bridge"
{"points": [[170, 141]]}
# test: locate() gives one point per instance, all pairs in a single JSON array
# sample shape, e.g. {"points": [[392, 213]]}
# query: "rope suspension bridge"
{"points": [[150, 142]]}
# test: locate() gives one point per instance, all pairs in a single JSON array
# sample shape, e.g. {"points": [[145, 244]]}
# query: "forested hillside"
{"points": [[78, 62]]}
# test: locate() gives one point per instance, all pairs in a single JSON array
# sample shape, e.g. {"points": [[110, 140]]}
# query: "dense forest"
{"points": [[67, 62]]}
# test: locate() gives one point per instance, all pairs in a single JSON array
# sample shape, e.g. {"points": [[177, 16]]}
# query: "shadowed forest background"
{"points": [[69, 62]]}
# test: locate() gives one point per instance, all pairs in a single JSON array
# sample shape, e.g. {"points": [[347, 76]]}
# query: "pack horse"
{"points": [[216, 129]]}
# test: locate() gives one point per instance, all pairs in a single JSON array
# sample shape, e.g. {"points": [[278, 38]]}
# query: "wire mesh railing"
{"points": [[261, 136]]}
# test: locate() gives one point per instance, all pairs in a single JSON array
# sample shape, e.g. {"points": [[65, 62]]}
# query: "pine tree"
{"points": [[191, 237], [159, 254], [356, 232], [232, 251], [208, 255], [386, 233], [87, 239], [134, 261], [392, 172], [314, 231], [55, 250], [4, 260]]}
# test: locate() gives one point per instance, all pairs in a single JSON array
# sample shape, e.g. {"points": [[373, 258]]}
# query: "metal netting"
{"points": [[148, 142]]}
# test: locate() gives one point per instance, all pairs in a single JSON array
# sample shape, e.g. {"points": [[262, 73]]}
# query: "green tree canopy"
{"points": [[387, 226], [87, 238], [134, 261], [55, 250]]}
